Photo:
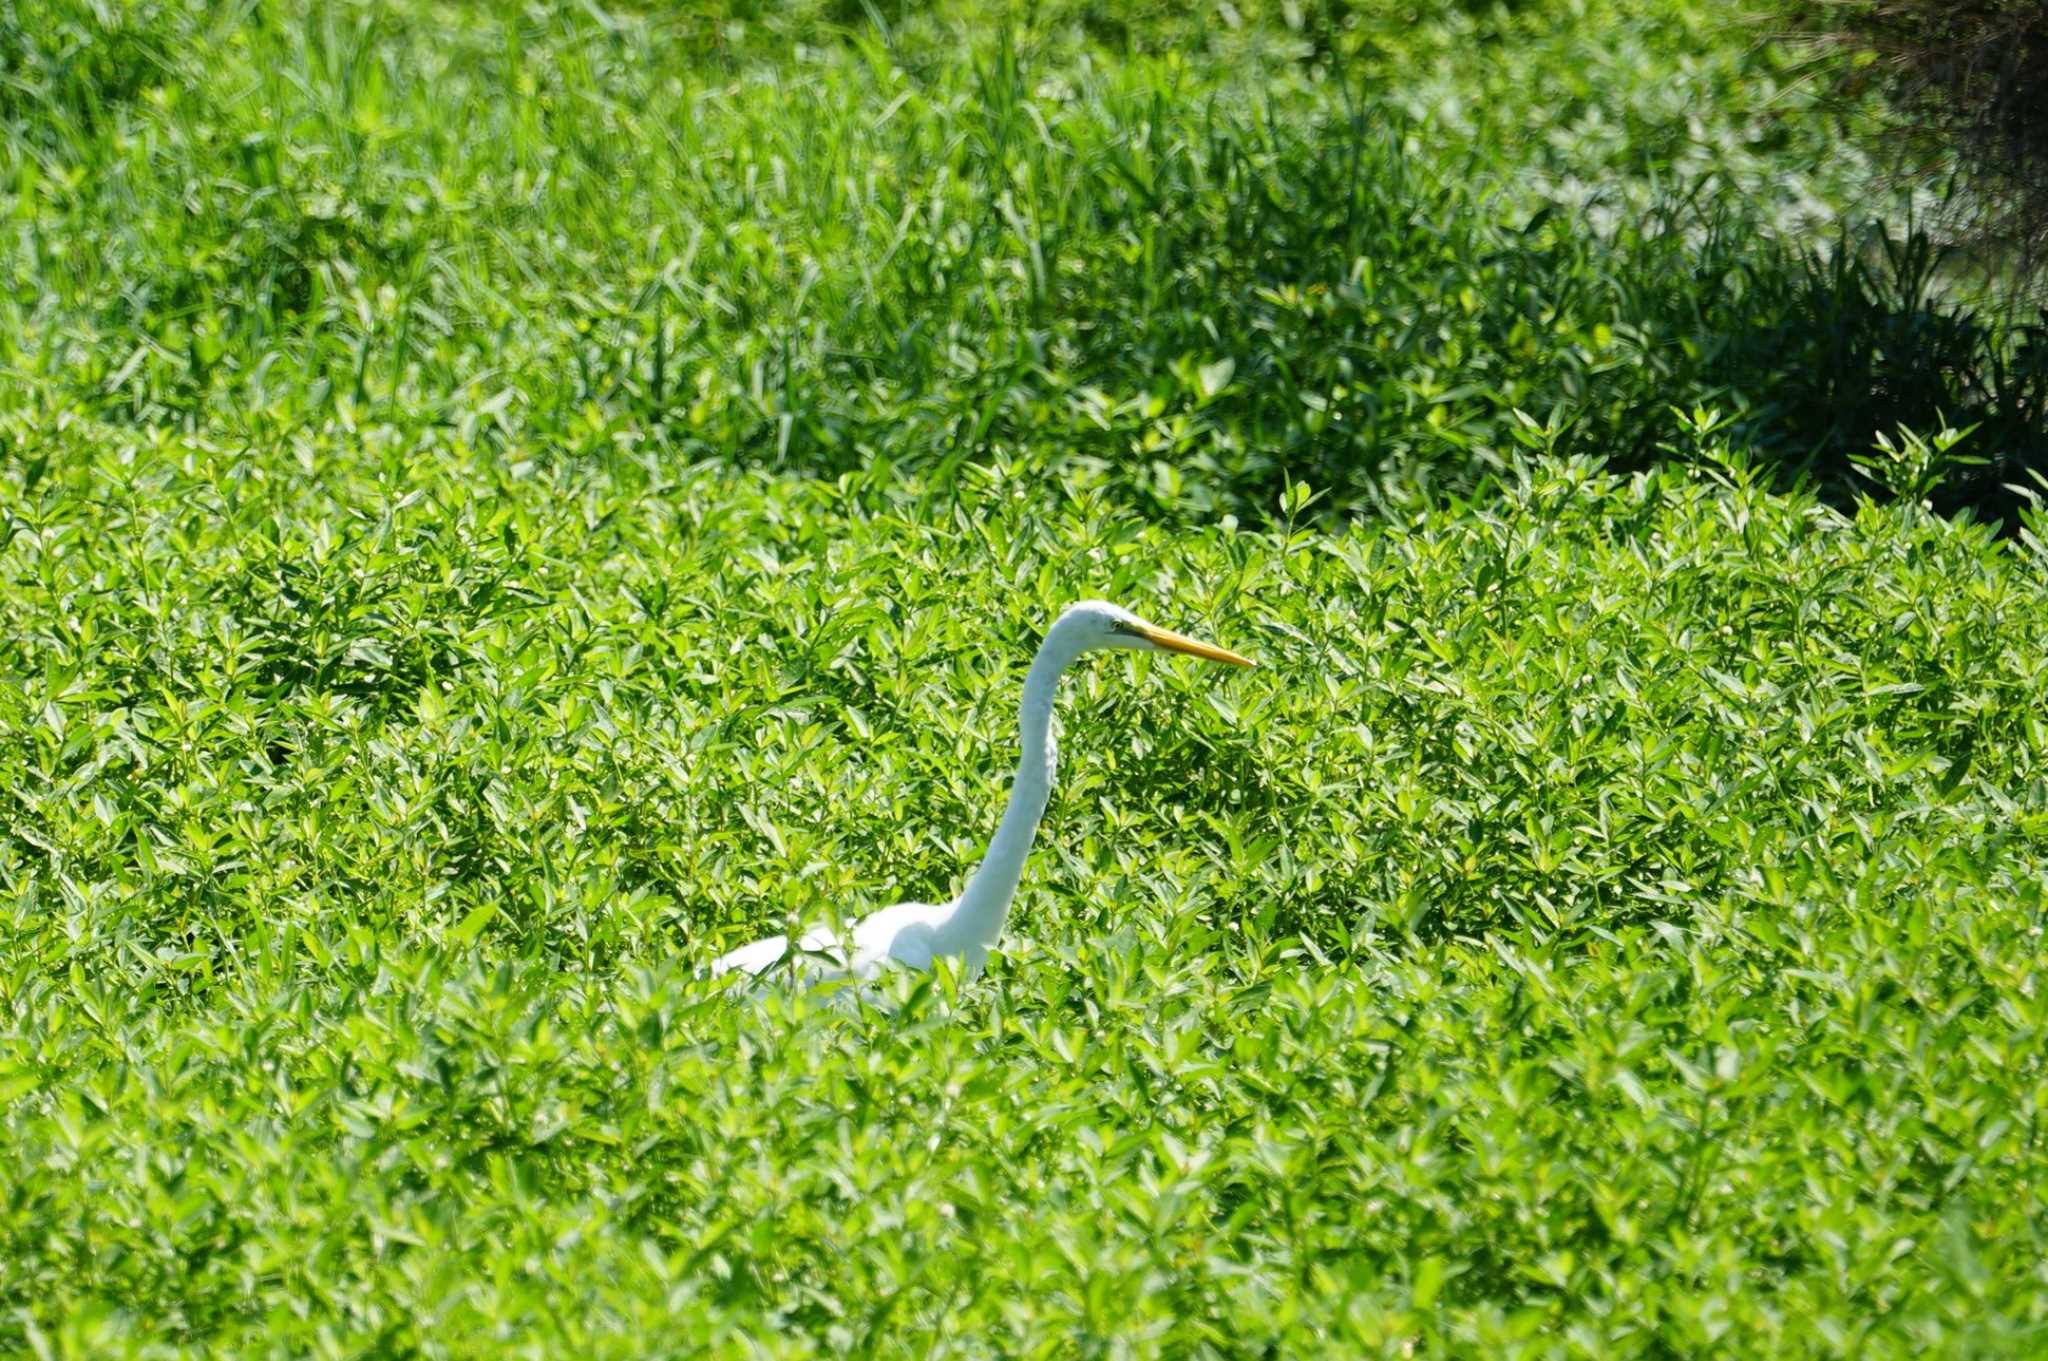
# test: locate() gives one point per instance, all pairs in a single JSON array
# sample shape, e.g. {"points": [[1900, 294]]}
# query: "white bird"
{"points": [[915, 934]]}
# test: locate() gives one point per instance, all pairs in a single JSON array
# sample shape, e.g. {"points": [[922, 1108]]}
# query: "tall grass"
{"points": [[1210, 279]]}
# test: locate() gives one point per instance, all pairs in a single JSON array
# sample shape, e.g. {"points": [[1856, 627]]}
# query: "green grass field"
{"points": [[499, 504]]}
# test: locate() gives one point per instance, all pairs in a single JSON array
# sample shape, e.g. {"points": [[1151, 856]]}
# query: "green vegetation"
{"points": [[1347, 261], [497, 505]]}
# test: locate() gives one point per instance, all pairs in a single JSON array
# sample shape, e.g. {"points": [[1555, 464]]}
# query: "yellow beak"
{"points": [[1179, 642]]}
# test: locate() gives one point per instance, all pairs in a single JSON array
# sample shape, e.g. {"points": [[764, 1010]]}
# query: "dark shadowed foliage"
{"points": [[1971, 79]]}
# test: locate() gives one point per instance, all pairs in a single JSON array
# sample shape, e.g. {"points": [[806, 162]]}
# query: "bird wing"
{"points": [[759, 957], [902, 933], [752, 957]]}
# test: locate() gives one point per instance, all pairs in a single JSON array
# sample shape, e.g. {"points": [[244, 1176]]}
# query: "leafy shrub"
{"points": [[1608, 911]]}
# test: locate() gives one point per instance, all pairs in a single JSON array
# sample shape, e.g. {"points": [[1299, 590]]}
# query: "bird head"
{"points": [[1096, 624]]}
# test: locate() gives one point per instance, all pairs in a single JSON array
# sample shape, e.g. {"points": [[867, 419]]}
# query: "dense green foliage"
{"points": [[1347, 258], [498, 505], [1615, 909]]}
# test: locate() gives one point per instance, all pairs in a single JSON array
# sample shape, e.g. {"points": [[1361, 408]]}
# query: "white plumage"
{"points": [[967, 928]]}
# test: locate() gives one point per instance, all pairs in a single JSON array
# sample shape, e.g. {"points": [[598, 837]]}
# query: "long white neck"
{"points": [[985, 902]]}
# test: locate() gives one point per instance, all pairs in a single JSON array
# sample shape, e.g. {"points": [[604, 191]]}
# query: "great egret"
{"points": [[917, 933]]}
